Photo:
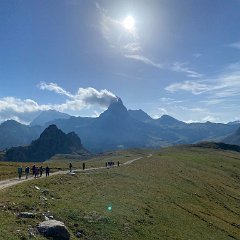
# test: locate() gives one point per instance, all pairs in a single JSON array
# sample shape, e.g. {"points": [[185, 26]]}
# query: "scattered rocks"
{"points": [[32, 232], [26, 215], [53, 229], [80, 234]]}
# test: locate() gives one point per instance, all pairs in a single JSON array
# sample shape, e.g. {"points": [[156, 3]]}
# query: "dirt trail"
{"points": [[14, 181]]}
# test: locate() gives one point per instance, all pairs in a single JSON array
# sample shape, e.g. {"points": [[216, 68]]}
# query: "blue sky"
{"points": [[178, 57]]}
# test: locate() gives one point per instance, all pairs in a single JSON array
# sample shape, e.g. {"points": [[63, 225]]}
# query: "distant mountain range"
{"points": [[118, 128], [233, 138], [47, 116], [52, 141]]}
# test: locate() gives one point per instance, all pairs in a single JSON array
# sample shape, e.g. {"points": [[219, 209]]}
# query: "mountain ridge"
{"points": [[118, 128]]}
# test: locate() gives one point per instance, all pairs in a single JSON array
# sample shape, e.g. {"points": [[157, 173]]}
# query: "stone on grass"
{"points": [[53, 229]]}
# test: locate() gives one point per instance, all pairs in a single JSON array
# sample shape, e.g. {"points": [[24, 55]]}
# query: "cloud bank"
{"points": [[24, 110]]}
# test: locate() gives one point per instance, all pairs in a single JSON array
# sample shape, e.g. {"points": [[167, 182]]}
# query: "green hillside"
{"points": [[178, 193]]}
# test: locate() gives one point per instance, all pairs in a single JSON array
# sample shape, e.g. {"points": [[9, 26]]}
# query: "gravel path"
{"points": [[15, 181]]}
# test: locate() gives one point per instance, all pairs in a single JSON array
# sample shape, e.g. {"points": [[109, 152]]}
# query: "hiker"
{"points": [[33, 170], [19, 172], [27, 171], [83, 166], [36, 172], [118, 163], [70, 167], [47, 171], [41, 171], [106, 164]]}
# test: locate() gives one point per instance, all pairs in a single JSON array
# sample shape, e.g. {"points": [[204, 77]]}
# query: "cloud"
{"points": [[182, 67], [144, 60], [54, 88], [84, 98], [225, 85], [235, 45], [195, 88], [24, 110], [20, 110]]}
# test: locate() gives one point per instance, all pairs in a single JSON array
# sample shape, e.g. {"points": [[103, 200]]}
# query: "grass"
{"points": [[8, 170], [178, 193]]}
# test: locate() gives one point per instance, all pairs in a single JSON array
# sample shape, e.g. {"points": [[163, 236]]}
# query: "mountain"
{"points": [[118, 128], [113, 129], [52, 141], [47, 116], [235, 122], [15, 134], [166, 120], [233, 138], [140, 115]]}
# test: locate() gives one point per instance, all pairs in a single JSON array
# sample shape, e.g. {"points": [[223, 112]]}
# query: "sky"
{"points": [[175, 57]]}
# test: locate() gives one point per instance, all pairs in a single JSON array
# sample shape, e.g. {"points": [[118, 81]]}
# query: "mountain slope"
{"points": [[52, 141], [233, 138], [140, 115], [47, 116], [15, 134]]}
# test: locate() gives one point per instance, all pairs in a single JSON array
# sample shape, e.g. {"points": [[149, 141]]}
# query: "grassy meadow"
{"points": [[8, 170], [178, 193]]}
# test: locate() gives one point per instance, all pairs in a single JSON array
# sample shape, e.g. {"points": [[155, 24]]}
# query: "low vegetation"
{"points": [[177, 193]]}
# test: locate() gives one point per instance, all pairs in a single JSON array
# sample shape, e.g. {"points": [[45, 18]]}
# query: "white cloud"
{"points": [[182, 67], [144, 60], [54, 88], [225, 85], [24, 110], [189, 86], [84, 98]]}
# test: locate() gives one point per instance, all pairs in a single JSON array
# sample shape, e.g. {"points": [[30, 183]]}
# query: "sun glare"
{"points": [[129, 23]]}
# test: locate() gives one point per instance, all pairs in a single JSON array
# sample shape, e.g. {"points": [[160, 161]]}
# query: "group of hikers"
{"points": [[111, 164], [36, 171]]}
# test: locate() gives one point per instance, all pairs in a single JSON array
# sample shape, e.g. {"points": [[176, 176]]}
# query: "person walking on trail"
{"points": [[20, 172], [118, 163], [83, 166], [41, 171], [27, 171], [70, 167], [47, 171], [34, 170]]}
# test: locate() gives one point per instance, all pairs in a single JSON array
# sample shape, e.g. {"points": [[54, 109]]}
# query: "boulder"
{"points": [[53, 229]]}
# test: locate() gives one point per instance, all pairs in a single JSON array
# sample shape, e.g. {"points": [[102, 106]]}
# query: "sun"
{"points": [[129, 23]]}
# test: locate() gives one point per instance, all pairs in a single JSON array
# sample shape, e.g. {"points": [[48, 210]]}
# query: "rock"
{"points": [[26, 215], [80, 234], [32, 232], [53, 229]]}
